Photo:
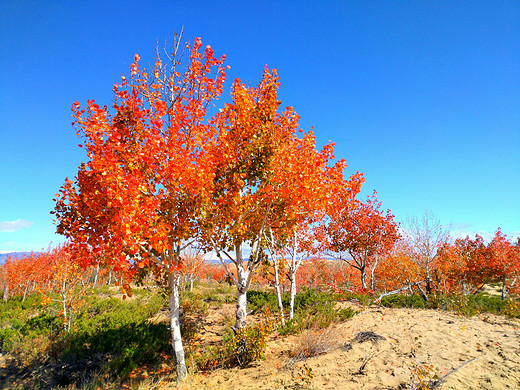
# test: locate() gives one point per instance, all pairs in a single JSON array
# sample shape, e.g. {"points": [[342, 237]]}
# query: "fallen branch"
{"points": [[407, 287], [437, 384], [423, 294]]}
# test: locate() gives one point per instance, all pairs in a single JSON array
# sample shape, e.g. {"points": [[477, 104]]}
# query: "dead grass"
{"points": [[315, 342]]}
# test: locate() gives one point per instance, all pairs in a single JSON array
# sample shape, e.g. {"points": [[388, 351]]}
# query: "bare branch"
{"points": [[437, 384], [407, 287]]}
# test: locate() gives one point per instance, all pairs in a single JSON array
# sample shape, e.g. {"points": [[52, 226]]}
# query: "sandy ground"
{"points": [[434, 341]]}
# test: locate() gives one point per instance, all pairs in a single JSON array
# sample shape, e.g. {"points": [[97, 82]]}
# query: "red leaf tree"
{"points": [[504, 260], [362, 234], [266, 179], [137, 198]]}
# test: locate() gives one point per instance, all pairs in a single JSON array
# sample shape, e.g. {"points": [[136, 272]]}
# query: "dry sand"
{"points": [[412, 338]]}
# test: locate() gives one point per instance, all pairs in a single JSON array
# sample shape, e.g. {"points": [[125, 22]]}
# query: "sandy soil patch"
{"points": [[411, 338]]}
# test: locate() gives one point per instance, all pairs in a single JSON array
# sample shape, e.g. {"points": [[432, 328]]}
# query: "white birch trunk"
{"points": [[363, 277], [504, 289], [293, 293], [292, 275], [25, 292], [175, 327], [242, 287], [372, 274], [96, 276], [278, 290]]}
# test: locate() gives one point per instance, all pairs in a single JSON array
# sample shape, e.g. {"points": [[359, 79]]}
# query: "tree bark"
{"points": [[96, 276], [504, 289], [293, 294], [25, 291], [241, 313], [6, 292], [363, 277], [372, 279], [292, 274], [175, 327], [278, 290], [242, 287]]}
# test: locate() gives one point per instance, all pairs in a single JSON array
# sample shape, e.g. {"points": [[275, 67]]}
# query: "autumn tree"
{"points": [[361, 234], [5, 278], [425, 236], [503, 260], [398, 269], [287, 255], [463, 264], [304, 241], [266, 178], [193, 265], [66, 287], [139, 195]]}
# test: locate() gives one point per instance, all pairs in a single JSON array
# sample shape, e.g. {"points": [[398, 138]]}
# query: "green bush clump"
{"points": [[257, 300], [410, 301], [468, 305], [239, 347], [111, 312], [314, 309], [363, 298], [44, 323], [123, 347], [7, 339]]}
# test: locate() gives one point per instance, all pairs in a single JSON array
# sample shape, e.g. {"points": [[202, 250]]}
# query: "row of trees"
{"points": [[164, 175], [460, 266]]}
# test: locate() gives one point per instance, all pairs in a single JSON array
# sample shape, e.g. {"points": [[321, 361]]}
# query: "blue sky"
{"points": [[423, 97]]}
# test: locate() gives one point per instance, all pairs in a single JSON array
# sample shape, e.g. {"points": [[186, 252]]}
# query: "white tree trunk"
{"points": [[175, 327], [363, 277], [96, 276], [372, 280], [295, 264], [292, 277], [504, 289], [242, 287], [25, 292], [372, 273], [278, 290]]}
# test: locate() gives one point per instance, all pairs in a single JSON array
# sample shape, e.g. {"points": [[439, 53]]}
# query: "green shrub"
{"points": [[124, 347], [292, 326], [467, 305], [411, 301], [363, 298], [248, 344], [257, 300], [43, 323], [7, 338], [314, 309]]}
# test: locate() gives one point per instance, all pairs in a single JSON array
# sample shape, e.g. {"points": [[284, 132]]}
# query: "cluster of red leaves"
{"points": [[470, 262], [361, 233]]}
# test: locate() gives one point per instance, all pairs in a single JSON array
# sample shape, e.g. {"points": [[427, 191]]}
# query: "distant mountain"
{"points": [[15, 255]]}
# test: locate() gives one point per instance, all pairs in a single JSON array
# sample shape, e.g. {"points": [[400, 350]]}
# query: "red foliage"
{"points": [[362, 234]]}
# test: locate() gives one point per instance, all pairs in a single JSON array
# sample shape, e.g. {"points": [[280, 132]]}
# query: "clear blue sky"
{"points": [[423, 97]]}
